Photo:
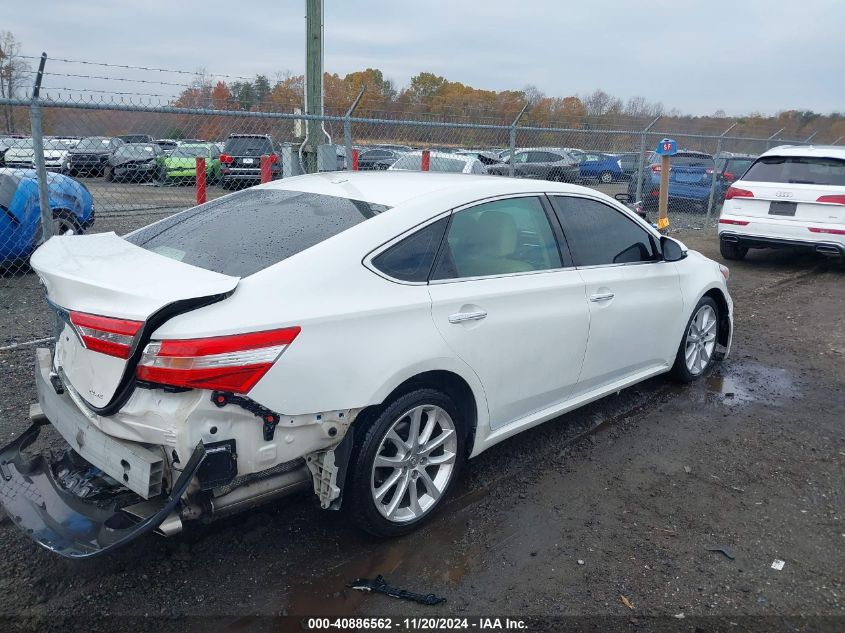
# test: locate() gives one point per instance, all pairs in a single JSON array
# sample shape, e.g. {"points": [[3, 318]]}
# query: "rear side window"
{"points": [[600, 235], [248, 231], [411, 258], [798, 170], [248, 146]]}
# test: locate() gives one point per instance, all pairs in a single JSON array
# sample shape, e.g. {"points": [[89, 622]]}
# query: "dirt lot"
{"points": [[619, 499]]}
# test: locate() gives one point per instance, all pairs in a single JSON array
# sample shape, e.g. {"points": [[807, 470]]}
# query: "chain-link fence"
{"points": [[117, 166]]}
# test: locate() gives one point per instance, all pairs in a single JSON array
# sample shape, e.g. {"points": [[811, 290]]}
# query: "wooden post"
{"points": [[663, 201]]}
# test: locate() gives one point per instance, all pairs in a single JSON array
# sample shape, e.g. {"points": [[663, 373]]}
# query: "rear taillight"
{"points": [[224, 363], [656, 169], [818, 229], [654, 193], [736, 222], [728, 176], [736, 192], [226, 159], [832, 199], [114, 337]]}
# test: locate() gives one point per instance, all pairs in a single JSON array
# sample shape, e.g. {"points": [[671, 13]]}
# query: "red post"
{"points": [[426, 160], [354, 160], [201, 180], [266, 175]]}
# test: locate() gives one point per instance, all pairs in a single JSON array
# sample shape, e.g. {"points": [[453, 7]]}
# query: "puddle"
{"points": [[751, 382]]}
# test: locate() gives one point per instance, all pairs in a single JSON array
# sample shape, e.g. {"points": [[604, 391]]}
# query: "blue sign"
{"points": [[667, 147]]}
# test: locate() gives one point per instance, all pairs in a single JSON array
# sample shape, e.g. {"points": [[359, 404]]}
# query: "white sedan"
{"points": [[362, 334]]}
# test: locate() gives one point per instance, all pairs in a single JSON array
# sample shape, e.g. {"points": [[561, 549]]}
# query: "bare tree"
{"points": [[13, 70]]}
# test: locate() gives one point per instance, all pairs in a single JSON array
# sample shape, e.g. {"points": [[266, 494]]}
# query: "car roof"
{"points": [[821, 151], [392, 188]]}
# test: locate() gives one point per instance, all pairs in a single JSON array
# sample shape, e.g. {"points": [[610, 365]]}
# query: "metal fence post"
{"points": [[347, 130], [512, 139], [836, 142], [38, 155], [771, 138], [715, 175], [641, 166]]}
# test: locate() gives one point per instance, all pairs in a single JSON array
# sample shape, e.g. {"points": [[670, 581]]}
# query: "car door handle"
{"points": [[605, 296], [461, 317]]}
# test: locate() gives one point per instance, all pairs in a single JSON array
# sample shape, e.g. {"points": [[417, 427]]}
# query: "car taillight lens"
{"points": [[656, 169], [736, 222], [113, 337], [817, 229], [728, 176], [831, 199], [736, 192], [654, 193], [223, 363], [226, 159]]}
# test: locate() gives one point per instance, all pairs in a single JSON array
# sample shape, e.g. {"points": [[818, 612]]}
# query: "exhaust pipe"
{"points": [[829, 250], [261, 491], [733, 239]]}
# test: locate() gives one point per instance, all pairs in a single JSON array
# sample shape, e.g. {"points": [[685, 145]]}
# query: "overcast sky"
{"points": [[698, 56]]}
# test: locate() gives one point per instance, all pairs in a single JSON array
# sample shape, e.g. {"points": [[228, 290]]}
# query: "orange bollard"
{"points": [[426, 160], [201, 184]]}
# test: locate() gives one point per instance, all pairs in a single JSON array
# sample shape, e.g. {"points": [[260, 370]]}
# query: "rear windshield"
{"points": [[248, 231], [705, 162], [798, 170], [413, 162], [248, 146]]}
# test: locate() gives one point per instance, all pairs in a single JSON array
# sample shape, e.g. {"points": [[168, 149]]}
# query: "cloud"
{"points": [[696, 56]]}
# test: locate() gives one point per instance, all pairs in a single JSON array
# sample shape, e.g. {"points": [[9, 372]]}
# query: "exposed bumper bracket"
{"points": [[59, 520]]}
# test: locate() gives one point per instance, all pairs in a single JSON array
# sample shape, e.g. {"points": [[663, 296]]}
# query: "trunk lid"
{"points": [[104, 275], [790, 202]]}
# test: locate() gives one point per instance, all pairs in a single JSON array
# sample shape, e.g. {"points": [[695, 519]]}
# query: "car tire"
{"points": [[697, 350], [419, 484], [606, 177], [731, 251]]}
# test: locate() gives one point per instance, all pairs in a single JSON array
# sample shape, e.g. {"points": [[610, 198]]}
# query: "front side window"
{"points": [[599, 235], [498, 238], [411, 258], [248, 231]]}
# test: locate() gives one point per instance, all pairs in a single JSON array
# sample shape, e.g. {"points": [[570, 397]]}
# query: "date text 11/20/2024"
{"points": [[417, 624]]}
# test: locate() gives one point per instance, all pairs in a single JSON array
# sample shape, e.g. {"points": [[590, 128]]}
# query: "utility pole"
{"points": [[313, 80]]}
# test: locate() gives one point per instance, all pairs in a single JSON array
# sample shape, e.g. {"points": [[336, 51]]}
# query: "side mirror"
{"points": [[673, 250], [623, 197]]}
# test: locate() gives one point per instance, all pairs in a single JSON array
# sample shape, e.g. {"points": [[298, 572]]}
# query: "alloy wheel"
{"points": [[414, 463], [701, 340]]}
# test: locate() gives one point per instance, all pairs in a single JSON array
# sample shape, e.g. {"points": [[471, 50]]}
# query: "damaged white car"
{"points": [[358, 334]]}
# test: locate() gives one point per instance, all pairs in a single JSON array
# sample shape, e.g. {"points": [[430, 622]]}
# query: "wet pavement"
{"points": [[622, 498]]}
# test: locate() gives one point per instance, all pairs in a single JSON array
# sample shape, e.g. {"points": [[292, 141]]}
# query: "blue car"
{"points": [[690, 176], [20, 215], [605, 168]]}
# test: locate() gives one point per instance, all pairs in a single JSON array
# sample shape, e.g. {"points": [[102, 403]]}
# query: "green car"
{"points": [[181, 163]]}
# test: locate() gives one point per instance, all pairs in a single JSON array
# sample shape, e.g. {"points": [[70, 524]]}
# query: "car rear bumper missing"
{"points": [[61, 520]]}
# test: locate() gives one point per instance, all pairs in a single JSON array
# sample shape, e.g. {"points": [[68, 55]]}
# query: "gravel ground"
{"points": [[605, 512]]}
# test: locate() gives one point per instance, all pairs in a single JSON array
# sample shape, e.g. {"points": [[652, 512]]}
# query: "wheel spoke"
{"points": [[690, 352], [437, 441], [437, 460], [429, 484], [428, 429], [382, 461], [388, 484], [399, 494], [401, 444], [413, 496], [414, 428]]}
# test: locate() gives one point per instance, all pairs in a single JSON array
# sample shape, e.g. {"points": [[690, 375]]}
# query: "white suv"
{"points": [[790, 196]]}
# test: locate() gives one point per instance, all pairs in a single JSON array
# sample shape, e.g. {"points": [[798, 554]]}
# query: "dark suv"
{"points": [[690, 177], [240, 162], [91, 155]]}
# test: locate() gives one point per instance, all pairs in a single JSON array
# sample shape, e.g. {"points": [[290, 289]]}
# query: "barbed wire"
{"points": [[130, 67]]}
